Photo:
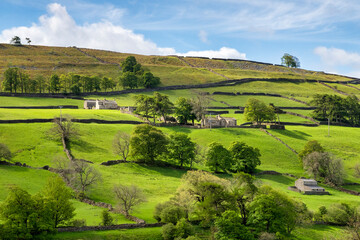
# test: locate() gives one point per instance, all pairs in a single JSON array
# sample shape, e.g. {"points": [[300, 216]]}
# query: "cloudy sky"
{"points": [[323, 34]]}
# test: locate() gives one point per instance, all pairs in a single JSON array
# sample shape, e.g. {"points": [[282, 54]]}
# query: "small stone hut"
{"points": [[100, 104], [219, 121], [309, 187]]}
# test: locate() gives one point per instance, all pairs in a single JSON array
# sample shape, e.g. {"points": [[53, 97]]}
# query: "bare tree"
{"points": [[5, 152], [121, 144], [128, 197], [85, 175], [199, 105], [64, 168], [64, 129], [324, 166]]}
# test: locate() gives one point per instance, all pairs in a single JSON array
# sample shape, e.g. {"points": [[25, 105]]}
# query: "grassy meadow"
{"points": [[32, 144]]}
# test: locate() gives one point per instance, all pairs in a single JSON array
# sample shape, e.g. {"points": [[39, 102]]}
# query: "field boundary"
{"points": [[90, 120], [112, 227]]}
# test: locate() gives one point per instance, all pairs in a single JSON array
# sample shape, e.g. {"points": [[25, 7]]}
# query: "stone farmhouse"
{"points": [[219, 121], [100, 104], [309, 187]]}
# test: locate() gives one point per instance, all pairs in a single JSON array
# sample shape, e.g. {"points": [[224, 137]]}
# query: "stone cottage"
{"points": [[219, 121], [100, 104], [309, 187]]}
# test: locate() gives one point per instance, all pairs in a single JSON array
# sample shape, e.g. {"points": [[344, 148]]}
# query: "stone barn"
{"points": [[219, 121], [309, 187], [100, 104]]}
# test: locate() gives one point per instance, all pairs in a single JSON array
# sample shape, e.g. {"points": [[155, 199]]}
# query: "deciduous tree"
{"points": [[184, 111], [181, 149], [218, 157], [128, 197], [290, 61], [147, 143], [121, 144], [257, 111], [244, 158]]}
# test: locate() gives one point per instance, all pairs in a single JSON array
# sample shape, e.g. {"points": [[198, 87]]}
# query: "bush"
{"points": [[184, 229], [168, 231], [78, 223], [159, 208], [230, 226], [340, 214], [106, 218], [267, 236], [172, 214]]}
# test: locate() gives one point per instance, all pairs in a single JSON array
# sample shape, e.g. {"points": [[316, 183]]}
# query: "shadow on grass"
{"points": [[84, 146], [293, 134], [278, 178]]}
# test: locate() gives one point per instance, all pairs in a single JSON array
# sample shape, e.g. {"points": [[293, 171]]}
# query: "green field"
{"points": [[31, 143]]}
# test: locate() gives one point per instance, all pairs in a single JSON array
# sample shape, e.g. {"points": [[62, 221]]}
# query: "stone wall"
{"points": [[74, 120], [41, 107]]}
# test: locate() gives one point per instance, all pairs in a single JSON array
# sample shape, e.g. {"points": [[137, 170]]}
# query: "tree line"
{"points": [[133, 75], [150, 145], [337, 109]]}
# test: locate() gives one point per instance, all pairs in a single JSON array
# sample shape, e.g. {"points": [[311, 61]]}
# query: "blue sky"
{"points": [[323, 34]]}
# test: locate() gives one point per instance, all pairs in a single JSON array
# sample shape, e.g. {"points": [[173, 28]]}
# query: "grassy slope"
{"points": [[44, 60]]}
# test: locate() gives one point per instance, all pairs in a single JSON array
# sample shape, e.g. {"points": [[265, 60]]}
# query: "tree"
{"points": [[54, 83], [244, 158], [218, 157], [147, 143], [57, 197], [16, 40], [310, 147], [121, 144], [128, 197], [65, 130], [28, 40], [172, 214], [272, 211], [184, 111], [12, 79], [257, 111], [181, 149], [144, 104], [325, 167], [290, 61], [129, 80], [85, 175], [130, 65], [107, 83], [162, 105], [24, 216], [5, 153], [230, 227], [148, 80], [106, 218], [199, 105], [243, 191]]}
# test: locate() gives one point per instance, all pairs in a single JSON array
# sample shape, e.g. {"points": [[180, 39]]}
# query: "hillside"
{"points": [[290, 89], [42, 60]]}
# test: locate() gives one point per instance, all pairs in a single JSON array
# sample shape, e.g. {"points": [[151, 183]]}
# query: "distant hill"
{"points": [[172, 70]]}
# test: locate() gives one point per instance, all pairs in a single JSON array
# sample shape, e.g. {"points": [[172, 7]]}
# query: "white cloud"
{"points": [[203, 36], [335, 58], [58, 28], [223, 52]]}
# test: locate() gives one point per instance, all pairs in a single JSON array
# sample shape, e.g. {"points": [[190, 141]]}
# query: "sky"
{"points": [[323, 34]]}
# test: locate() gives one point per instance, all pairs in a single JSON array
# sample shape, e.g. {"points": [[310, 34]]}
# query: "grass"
{"points": [[129, 234], [31, 101], [342, 142], [312, 232], [109, 115]]}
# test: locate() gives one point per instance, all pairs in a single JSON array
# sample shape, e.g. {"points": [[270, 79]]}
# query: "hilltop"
{"points": [[173, 70]]}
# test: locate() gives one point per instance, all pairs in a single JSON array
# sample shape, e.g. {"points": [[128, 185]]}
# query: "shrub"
{"points": [[106, 218], [340, 213], [184, 229], [168, 231], [267, 236], [172, 214], [78, 223]]}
